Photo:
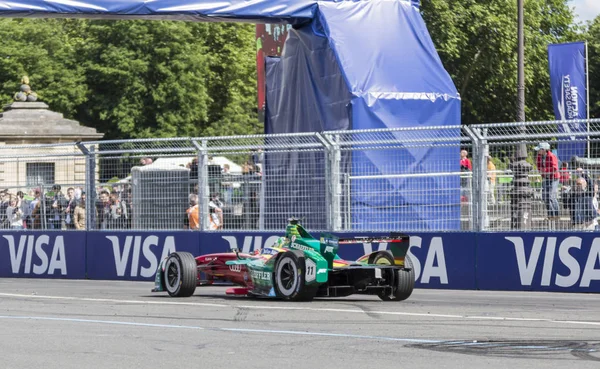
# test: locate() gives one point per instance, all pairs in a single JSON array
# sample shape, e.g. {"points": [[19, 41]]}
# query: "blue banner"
{"points": [[134, 255], [438, 263], [42, 254], [567, 64], [562, 262]]}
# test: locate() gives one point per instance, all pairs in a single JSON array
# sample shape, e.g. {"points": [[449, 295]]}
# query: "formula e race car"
{"points": [[297, 267]]}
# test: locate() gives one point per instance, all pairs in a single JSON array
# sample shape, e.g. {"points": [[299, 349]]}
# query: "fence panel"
{"points": [[38, 185], [405, 179], [561, 199]]}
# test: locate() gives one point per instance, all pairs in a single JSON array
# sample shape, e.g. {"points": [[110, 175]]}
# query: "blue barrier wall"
{"points": [[562, 262], [565, 262], [43, 254]]}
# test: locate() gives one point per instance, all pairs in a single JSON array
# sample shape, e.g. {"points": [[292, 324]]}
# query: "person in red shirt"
{"points": [[465, 179], [465, 163], [565, 176], [547, 164]]}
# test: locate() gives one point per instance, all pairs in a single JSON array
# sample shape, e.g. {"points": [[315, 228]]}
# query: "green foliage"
{"points": [[136, 79], [166, 79], [593, 38], [477, 42], [42, 49]]}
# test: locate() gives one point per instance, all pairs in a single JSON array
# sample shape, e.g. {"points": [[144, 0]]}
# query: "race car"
{"points": [[298, 267]]}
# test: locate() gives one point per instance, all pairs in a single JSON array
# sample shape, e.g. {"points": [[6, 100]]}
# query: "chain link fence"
{"points": [[406, 179]]}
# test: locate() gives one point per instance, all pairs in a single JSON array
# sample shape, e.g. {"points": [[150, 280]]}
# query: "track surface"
{"points": [[107, 324]]}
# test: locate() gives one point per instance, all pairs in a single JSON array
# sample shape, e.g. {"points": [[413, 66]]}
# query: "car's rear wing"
{"points": [[393, 237]]}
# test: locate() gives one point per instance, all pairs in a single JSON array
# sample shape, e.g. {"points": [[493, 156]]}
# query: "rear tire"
{"points": [[404, 283], [288, 277], [180, 276]]}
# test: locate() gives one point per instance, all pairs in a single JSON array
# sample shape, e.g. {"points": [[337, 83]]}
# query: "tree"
{"points": [[233, 85], [42, 49], [477, 42], [167, 79], [593, 38], [146, 79]]}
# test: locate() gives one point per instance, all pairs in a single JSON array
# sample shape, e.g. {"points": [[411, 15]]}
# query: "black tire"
{"points": [[180, 276], [288, 277], [404, 282]]}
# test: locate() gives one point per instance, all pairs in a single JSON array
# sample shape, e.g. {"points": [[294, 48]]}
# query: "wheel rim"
{"points": [[172, 275], [287, 276], [382, 261]]}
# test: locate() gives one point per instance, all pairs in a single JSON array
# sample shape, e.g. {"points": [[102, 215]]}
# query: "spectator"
{"points": [[193, 167], [102, 210], [4, 204], [117, 215], [465, 162], [70, 208], [491, 178], [547, 164], [79, 213], [25, 208], [146, 161], [215, 208], [58, 204], [36, 209], [14, 214], [257, 157], [565, 176], [583, 213], [465, 180], [192, 212]]}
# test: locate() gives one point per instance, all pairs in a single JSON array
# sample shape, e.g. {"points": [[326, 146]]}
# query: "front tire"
{"points": [[288, 277], [404, 282], [180, 274]]}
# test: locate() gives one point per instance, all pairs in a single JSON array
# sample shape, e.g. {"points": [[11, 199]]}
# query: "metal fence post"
{"points": [[203, 190], [90, 185], [336, 158], [477, 202], [482, 173], [332, 181]]}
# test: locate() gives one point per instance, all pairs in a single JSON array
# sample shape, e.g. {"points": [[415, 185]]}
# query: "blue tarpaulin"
{"points": [[350, 64], [270, 11], [367, 65]]}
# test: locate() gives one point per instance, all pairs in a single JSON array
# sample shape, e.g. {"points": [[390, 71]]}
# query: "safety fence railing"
{"points": [[443, 178]]}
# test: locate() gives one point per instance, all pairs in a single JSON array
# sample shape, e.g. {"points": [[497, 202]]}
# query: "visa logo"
{"points": [[51, 256], [137, 250], [435, 262], [527, 266], [249, 241]]}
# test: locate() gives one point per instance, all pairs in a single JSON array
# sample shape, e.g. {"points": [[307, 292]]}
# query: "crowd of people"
{"points": [[575, 190], [58, 210]]}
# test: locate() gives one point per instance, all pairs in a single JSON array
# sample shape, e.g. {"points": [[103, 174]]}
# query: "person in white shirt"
{"points": [[15, 214]]}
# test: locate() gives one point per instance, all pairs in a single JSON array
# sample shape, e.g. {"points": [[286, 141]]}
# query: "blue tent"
{"points": [[348, 64]]}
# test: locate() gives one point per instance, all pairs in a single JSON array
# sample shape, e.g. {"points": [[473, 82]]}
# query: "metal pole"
{"points": [[203, 190], [587, 89], [521, 192], [521, 72], [90, 180]]}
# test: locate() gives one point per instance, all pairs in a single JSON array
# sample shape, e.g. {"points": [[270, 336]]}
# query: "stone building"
{"points": [[24, 125]]}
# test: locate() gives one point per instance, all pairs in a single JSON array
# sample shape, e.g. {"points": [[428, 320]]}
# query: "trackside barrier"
{"points": [[544, 261], [43, 254]]}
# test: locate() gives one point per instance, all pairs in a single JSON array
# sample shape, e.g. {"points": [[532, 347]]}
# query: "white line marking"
{"points": [[279, 308], [241, 330]]}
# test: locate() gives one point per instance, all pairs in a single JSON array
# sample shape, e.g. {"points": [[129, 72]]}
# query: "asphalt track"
{"points": [[106, 324]]}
